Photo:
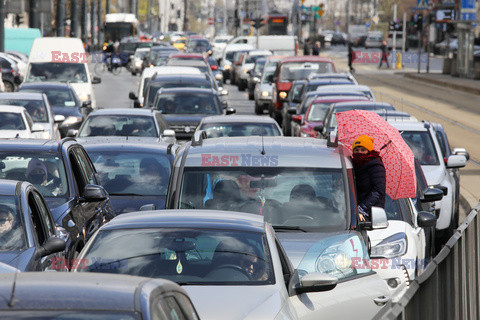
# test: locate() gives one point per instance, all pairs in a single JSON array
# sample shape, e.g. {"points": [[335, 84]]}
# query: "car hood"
{"points": [[433, 174], [123, 204], [394, 226], [236, 302], [21, 260], [299, 246]]}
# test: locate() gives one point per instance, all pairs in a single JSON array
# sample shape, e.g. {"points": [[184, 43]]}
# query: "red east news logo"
{"points": [[65, 57]]}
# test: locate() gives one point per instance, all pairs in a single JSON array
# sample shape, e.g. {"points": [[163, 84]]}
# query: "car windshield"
{"points": [[422, 146], [12, 233], [45, 172], [11, 121], [229, 55], [306, 102], [188, 256], [69, 315], [61, 72], [56, 97], [301, 70], [132, 173], [332, 122], [215, 130], [254, 58], [317, 111], [267, 74], [190, 83], [141, 54], [119, 125], [220, 40], [285, 196], [191, 103], [259, 65], [35, 108], [198, 43]]}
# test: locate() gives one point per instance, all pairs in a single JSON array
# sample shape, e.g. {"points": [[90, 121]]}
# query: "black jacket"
{"points": [[370, 181]]}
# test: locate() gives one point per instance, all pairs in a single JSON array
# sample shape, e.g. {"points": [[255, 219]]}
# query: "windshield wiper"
{"points": [[288, 228]]}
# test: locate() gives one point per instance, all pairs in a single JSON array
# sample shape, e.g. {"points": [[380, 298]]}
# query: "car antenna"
{"points": [[11, 301], [263, 145]]}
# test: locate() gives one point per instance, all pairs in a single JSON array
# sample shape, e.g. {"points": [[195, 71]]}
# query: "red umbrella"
{"points": [[396, 154]]}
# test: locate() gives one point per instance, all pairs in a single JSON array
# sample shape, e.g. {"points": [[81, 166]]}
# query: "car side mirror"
{"points": [[318, 128], [292, 110], [270, 78], [148, 207], [136, 104], [431, 195], [223, 91], [37, 128], [52, 245], [72, 133], [461, 152], [456, 161], [96, 80], [132, 96], [378, 220], [297, 118], [297, 100], [59, 118], [168, 136], [87, 104], [316, 282], [93, 193], [230, 111], [426, 219]]}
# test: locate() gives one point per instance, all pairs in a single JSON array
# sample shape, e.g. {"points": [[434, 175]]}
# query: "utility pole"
{"points": [[2, 24], [394, 46], [60, 23], [237, 18], [100, 24], [93, 24], [185, 15], [74, 26], [84, 22], [149, 14], [33, 17], [107, 7], [347, 18], [133, 8]]}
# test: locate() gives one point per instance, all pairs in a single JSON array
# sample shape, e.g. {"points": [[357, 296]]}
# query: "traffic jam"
{"points": [[322, 202]]}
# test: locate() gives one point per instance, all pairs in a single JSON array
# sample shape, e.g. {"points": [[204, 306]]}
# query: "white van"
{"points": [[62, 60], [161, 70], [278, 45]]}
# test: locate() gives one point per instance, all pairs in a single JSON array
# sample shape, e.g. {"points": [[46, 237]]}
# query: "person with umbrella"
{"points": [[370, 176]]}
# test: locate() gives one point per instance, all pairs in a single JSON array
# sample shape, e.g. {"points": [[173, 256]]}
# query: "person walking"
{"points": [[307, 47], [316, 49], [351, 57], [370, 176], [384, 57]]}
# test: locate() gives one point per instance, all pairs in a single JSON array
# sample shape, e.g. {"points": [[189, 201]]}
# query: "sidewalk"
{"points": [[445, 80]]}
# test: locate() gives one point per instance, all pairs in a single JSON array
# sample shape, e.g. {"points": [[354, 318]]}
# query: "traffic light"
{"points": [[18, 19], [419, 22], [391, 26]]}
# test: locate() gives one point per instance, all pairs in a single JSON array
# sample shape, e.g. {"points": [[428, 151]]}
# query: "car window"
{"points": [[132, 172], [38, 224], [85, 166], [296, 91], [155, 86], [422, 145], [182, 103], [393, 209], [318, 111], [57, 97], [215, 130], [187, 306], [292, 71], [48, 224], [62, 72], [119, 125], [35, 108], [259, 65], [46, 172], [11, 121], [279, 194], [12, 232], [166, 308], [266, 75], [184, 255], [441, 142]]}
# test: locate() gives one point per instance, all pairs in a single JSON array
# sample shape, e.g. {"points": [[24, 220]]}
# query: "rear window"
{"points": [[11, 121], [292, 71], [35, 108]]}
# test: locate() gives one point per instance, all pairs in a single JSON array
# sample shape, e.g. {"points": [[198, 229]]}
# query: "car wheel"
{"points": [[250, 95], [258, 109], [241, 85], [287, 131], [270, 110], [278, 117], [9, 87], [134, 73]]}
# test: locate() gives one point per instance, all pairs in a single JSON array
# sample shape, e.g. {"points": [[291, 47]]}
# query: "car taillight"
{"points": [[214, 67]]}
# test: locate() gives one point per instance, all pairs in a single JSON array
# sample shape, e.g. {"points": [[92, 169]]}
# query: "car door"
{"points": [[417, 233]]}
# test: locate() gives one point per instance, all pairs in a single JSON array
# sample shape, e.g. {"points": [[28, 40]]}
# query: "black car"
{"points": [[127, 48], [48, 295], [135, 172], [197, 45], [29, 240], [65, 176], [157, 51], [184, 108], [290, 105], [10, 75], [173, 81], [64, 101]]}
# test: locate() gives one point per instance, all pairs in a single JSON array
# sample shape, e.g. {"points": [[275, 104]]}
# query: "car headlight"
{"points": [[245, 71], [305, 135], [282, 94], [71, 120], [334, 261], [265, 94], [228, 67], [391, 247], [138, 63], [256, 79], [84, 97]]}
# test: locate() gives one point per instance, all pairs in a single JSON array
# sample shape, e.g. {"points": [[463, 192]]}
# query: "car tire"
{"points": [[287, 130], [134, 73], [251, 95], [241, 85], [258, 109], [278, 117], [9, 87]]}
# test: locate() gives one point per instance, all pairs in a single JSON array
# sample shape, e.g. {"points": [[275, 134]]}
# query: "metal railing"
{"points": [[449, 288]]}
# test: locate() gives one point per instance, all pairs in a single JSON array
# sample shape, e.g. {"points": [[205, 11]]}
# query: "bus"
{"points": [[276, 24], [120, 25]]}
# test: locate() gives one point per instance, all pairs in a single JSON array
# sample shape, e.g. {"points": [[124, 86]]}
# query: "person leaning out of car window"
{"points": [[369, 175]]}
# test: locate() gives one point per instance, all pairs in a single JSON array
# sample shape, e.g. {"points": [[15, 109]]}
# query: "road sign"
{"points": [[210, 21], [422, 4], [468, 10], [375, 19], [367, 24]]}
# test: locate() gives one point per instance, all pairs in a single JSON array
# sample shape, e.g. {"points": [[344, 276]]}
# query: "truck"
{"points": [[120, 25], [278, 45]]}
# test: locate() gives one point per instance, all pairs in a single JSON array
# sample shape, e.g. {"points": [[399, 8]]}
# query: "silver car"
{"points": [[263, 91]]}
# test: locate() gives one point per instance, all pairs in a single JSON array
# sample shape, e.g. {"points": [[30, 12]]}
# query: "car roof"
{"points": [[278, 151], [175, 70], [345, 87], [32, 145], [314, 82], [189, 219], [237, 119], [371, 104], [187, 77], [186, 90], [22, 95], [409, 125], [188, 55], [259, 52], [188, 62], [8, 187], [11, 109], [127, 144], [80, 290], [53, 85], [122, 111], [305, 59], [340, 98]]}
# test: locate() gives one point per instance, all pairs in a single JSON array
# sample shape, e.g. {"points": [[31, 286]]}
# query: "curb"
{"points": [[450, 84], [467, 200]]}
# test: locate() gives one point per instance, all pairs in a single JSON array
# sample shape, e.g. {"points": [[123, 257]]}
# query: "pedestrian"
{"points": [[351, 57], [384, 57], [370, 176], [307, 47], [316, 49]]}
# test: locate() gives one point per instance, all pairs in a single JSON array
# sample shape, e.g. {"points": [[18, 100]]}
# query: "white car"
{"points": [[148, 73], [226, 61], [348, 88], [248, 62], [231, 264], [39, 109], [401, 252], [263, 91], [15, 122], [138, 60], [421, 138], [218, 44]]}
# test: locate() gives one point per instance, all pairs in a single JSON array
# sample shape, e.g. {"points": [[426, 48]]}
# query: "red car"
{"points": [[315, 114], [295, 68], [189, 56]]}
